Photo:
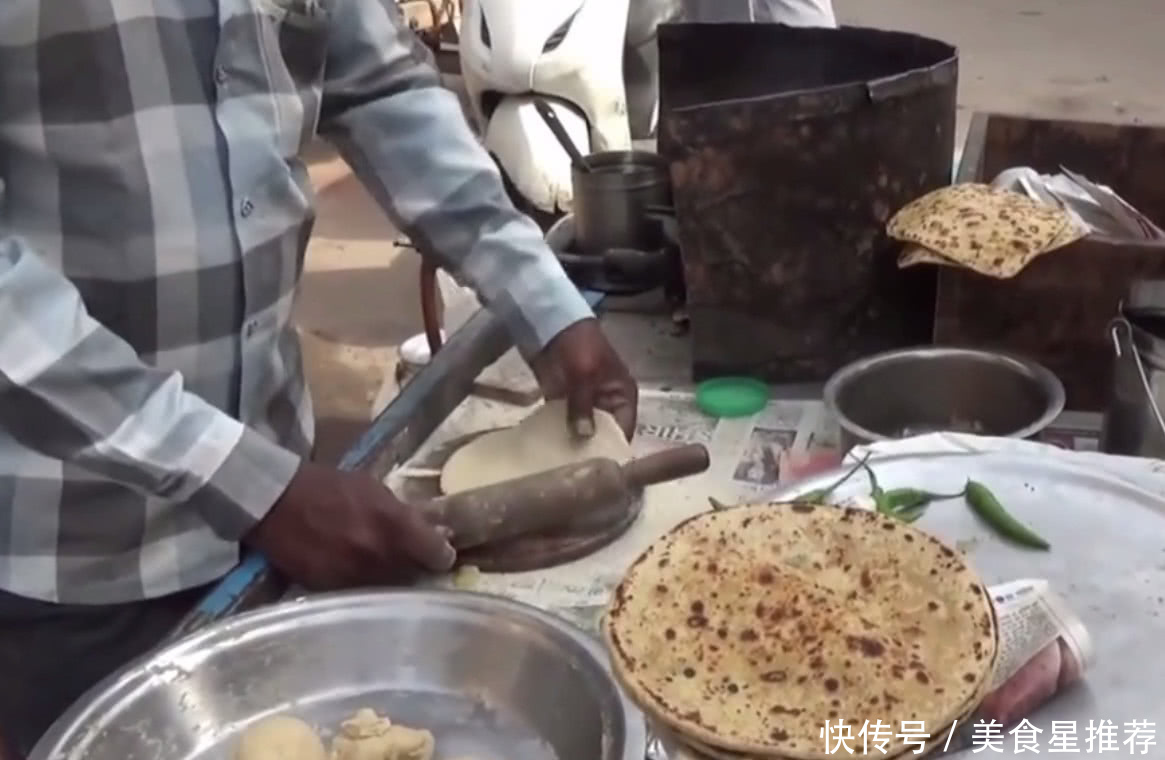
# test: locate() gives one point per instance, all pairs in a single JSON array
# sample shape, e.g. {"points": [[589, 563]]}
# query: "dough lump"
{"points": [[368, 736], [540, 442], [280, 737]]}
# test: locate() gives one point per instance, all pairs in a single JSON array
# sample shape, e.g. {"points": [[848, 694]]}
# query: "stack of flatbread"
{"points": [[992, 231], [770, 631]]}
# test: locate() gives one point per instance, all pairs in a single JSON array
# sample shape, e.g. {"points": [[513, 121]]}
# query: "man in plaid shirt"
{"points": [[153, 221]]}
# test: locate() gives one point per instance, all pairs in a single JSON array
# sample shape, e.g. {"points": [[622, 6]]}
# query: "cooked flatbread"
{"points": [[693, 748], [913, 255], [993, 231], [747, 629], [538, 443], [934, 740]]}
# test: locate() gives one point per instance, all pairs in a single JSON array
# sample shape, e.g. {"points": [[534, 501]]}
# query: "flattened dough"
{"points": [[368, 736], [540, 442], [280, 737]]}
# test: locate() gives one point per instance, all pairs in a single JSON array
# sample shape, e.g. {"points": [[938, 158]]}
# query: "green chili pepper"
{"points": [[898, 499], [876, 492], [911, 514], [821, 493], [909, 504], [984, 504]]}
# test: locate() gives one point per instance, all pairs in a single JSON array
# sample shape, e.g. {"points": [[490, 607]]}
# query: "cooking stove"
{"points": [[620, 271]]}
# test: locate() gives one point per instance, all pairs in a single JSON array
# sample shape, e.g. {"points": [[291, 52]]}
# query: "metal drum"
{"points": [[788, 150]]}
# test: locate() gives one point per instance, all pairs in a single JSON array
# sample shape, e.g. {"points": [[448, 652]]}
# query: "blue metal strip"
{"points": [[222, 597]]}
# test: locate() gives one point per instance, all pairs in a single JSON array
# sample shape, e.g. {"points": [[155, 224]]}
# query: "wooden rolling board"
{"points": [[518, 554]]}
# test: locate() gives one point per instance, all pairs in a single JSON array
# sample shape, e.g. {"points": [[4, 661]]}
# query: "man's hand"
{"points": [[333, 529], [582, 367]]}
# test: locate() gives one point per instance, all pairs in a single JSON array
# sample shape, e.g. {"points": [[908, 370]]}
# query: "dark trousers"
{"points": [[51, 654]]}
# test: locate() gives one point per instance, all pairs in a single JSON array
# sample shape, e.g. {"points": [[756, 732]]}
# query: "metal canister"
{"points": [[1133, 422], [613, 199]]}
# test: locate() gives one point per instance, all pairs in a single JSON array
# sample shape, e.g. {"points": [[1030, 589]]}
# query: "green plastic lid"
{"points": [[731, 396]]}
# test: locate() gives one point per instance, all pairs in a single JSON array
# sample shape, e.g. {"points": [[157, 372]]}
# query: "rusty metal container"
{"points": [[788, 150], [1057, 310]]}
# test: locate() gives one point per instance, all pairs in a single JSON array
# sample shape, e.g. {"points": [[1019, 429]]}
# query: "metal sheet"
{"points": [[1107, 560], [492, 679]]}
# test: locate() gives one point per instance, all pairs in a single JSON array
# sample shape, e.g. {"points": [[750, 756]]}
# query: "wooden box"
{"points": [[1056, 311]]}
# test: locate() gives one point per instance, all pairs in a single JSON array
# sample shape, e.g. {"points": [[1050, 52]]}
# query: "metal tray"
{"points": [[491, 678], [1107, 560]]}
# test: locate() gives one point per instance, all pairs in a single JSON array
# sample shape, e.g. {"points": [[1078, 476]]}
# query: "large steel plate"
{"points": [[1107, 560], [491, 678]]}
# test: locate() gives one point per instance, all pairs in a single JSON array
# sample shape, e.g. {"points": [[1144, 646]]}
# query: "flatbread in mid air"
{"points": [[538, 443], [747, 629], [913, 255], [992, 231]]}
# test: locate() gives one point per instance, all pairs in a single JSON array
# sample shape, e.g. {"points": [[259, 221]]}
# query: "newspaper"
{"points": [[751, 457], [786, 441], [1043, 648]]}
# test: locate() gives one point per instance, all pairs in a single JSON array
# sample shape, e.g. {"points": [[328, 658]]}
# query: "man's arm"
{"points": [[73, 390], [406, 138]]}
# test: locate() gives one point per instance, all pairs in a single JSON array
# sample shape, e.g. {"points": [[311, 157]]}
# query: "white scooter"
{"points": [[593, 61]]}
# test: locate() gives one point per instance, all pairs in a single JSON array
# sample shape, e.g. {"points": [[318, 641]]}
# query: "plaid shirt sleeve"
{"points": [[73, 390], [406, 138]]}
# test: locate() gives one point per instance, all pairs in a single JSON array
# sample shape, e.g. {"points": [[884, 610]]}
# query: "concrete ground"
{"points": [[1072, 59], [1075, 59]]}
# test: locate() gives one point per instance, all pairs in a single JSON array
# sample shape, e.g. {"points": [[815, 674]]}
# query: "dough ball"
{"points": [[538, 443], [368, 736], [280, 737]]}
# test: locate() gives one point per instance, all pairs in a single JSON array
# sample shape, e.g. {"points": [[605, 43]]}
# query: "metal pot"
{"points": [[491, 678], [920, 390], [1133, 424], [614, 198]]}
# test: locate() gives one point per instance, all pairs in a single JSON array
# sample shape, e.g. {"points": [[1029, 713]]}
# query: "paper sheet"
{"points": [[751, 456]]}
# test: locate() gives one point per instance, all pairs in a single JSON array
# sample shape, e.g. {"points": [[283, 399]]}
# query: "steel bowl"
{"points": [[491, 678], [909, 392]]}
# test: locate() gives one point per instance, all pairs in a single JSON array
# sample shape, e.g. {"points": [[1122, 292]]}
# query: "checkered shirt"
{"points": [[153, 223]]}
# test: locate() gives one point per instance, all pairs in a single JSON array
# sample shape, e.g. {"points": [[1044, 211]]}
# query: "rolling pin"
{"points": [[583, 496]]}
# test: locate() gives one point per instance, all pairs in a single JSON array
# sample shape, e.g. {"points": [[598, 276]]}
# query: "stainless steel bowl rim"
{"points": [[106, 695], [561, 234], [1041, 374], [639, 158], [638, 169]]}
